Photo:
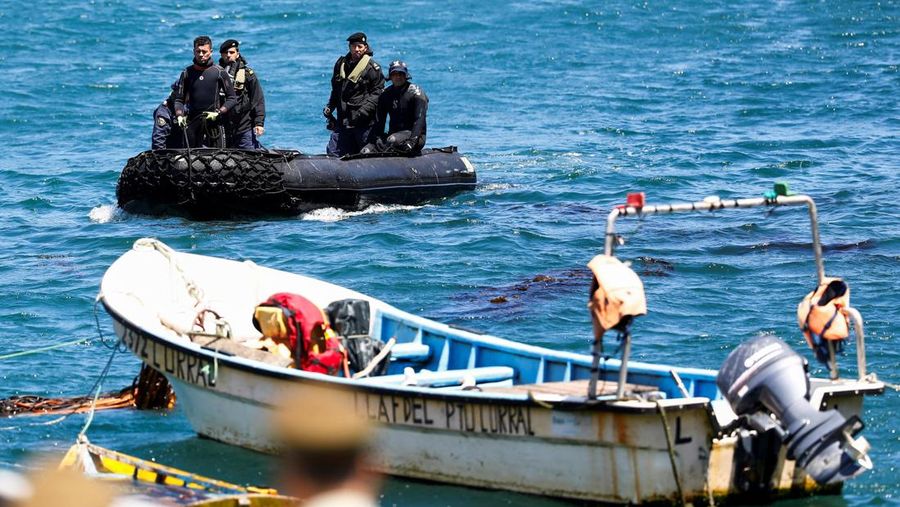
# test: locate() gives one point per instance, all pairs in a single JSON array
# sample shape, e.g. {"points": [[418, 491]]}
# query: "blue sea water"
{"points": [[563, 107]]}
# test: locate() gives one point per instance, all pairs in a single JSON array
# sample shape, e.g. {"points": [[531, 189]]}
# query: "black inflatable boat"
{"points": [[227, 182]]}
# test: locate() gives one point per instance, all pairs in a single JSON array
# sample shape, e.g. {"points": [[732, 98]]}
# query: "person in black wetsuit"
{"points": [[356, 84], [407, 105], [197, 101], [245, 122], [166, 135]]}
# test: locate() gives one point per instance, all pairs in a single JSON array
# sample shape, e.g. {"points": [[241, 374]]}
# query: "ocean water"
{"points": [[563, 107]]}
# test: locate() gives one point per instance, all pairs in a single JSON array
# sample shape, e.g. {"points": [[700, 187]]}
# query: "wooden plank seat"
{"points": [[413, 352], [233, 348], [447, 378], [576, 388]]}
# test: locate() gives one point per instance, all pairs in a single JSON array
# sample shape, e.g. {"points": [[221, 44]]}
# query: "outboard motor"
{"points": [[763, 378]]}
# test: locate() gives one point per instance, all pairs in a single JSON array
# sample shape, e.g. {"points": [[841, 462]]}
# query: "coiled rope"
{"points": [[222, 327], [192, 288]]}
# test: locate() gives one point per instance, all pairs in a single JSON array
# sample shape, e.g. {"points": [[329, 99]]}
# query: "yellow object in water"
{"points": [[96, 461]]}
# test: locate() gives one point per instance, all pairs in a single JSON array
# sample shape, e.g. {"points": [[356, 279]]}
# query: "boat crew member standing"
{"points": [[166, 135], [356, 84], [245, 122], [407, 105], [197, 100]]}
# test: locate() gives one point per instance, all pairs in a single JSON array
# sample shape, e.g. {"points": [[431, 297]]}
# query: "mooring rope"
{"points": [[43, 349], [95, 390], [670, 445], [97, 386], [117, 345]]}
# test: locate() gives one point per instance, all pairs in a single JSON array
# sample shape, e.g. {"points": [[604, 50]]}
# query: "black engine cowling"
{"points": [[764, 377]]}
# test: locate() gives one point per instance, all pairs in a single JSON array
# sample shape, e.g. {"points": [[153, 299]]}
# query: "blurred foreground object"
{"points": [[325, 445]]}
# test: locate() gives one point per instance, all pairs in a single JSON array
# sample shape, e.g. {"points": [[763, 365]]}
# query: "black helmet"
{"points": [[398, 66]]}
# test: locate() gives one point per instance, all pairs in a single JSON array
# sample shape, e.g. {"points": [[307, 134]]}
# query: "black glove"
{"points": [[330, 123], [326, 112], [405, 146]]}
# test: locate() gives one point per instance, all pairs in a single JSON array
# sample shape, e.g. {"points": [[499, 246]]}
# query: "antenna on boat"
{"points": [[780, 195]]}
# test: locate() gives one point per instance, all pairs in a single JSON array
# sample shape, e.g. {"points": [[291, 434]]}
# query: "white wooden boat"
{"points": [[651, 433]]}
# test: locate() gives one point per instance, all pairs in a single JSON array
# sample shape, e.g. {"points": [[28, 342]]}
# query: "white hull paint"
{"points": [[610, 451]]}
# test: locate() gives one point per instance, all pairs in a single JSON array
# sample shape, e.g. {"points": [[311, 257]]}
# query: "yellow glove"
{"points": [[210, 115], [181, 121]]}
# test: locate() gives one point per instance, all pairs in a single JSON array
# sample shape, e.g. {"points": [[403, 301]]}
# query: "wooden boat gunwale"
{"points": [[255, 367]]}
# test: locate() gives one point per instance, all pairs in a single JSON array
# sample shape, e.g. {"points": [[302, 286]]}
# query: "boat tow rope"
{"points": [[43, 349], [92, 396], [145, 392], [671, 448]]}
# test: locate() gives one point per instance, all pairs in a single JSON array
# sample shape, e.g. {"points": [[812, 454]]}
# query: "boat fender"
{"points": [[821, 318], [617, 294], [293, 319]]}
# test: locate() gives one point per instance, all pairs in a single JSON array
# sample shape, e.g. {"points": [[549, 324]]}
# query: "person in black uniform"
{"points": [[166, 135], [245, 122], [197, 101], [407, 105], [356, 84]]}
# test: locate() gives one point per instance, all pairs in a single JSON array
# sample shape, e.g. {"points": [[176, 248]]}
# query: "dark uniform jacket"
{"points": [[250, 110], [355, 102], [198, 88], [165, 133], [407, 106]]}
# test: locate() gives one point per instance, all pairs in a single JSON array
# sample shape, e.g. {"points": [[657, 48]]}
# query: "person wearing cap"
{"points": [[166, 135], [356, 84], [198, 97], [325, 450], [407, 105], [245, 123]]}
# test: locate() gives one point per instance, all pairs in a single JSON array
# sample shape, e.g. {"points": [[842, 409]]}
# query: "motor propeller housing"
{"points": [[766, 382]]}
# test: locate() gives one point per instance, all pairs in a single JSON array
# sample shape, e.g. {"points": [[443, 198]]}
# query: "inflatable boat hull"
{"points": [[224, 182]]}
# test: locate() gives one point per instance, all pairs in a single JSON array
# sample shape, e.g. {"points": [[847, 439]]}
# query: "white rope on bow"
{"points": [[192, 288]]}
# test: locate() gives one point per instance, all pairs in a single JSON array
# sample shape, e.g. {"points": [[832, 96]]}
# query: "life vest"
{"points": [[296, 321], [820, 317], [240, 77], [617, 294], [357, 71]]}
